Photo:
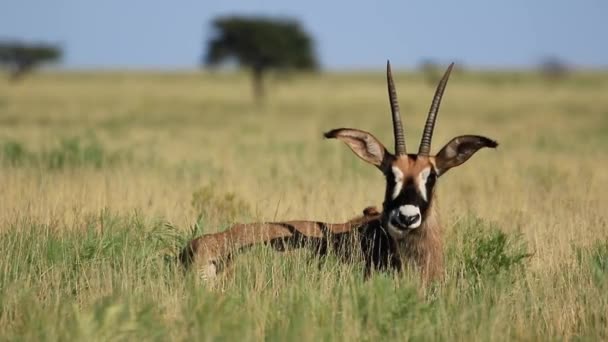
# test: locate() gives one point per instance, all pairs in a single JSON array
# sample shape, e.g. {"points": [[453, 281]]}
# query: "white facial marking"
{"points": [[398, 181], [411, 210], [422, 177], [407, 210]]}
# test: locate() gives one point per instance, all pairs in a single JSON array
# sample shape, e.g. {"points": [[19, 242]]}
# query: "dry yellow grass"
{"points": [[165, 136]]}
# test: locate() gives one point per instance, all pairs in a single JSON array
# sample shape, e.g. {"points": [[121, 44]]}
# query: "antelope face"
{"points": [[410, 178], [409, 191]]}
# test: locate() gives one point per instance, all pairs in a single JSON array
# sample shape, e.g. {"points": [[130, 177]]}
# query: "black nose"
{"points": [[408, 220]]}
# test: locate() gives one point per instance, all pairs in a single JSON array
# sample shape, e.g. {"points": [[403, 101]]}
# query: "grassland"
{"points": [[104, 176]]}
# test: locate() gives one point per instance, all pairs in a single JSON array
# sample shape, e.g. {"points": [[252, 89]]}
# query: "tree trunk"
{"points": [[258, 84], [19, 70]]}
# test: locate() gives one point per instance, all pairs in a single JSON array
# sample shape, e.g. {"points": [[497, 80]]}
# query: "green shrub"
{"points": [[488, 253], [595, 259], [73, 152], [68, 153], [599, 258], [13, 153]]}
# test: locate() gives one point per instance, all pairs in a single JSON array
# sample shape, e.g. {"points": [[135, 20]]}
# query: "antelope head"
{"points": [[410, 178]]}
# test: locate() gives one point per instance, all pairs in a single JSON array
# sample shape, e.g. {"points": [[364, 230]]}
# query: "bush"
{"points": [[73, 152], [13, 153], [68, 153], [595, 258], [488, 253]]}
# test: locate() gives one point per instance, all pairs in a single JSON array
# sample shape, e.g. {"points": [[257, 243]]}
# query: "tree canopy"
{"points": [[21, 58], [260, 44]]}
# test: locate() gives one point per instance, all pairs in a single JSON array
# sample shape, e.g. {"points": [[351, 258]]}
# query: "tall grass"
{"points": [[104, 177]]}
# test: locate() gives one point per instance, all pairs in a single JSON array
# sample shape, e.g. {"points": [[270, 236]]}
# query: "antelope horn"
{"points": [[427, 135], [397, 126]]}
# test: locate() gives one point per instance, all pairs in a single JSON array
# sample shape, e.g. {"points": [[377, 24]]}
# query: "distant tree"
{"points": [[431, 70], [553, 68], [260, 44], [20, 58]]}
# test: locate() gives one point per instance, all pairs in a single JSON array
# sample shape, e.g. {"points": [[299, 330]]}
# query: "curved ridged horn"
{"points": [[427, 135], [397, 126]]}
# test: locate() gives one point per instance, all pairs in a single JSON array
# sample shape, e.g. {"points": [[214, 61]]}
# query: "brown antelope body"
{"points": [[407, 232]]}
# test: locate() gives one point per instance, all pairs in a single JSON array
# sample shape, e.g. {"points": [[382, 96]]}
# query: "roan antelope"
{"points": [[407, 232]]}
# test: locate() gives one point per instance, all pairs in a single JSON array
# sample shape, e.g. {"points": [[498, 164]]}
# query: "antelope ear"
{"points": [[365, 146], [459, 150]]}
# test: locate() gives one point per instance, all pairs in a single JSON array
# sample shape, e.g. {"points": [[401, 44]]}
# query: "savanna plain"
{"points": [[105, 176]]}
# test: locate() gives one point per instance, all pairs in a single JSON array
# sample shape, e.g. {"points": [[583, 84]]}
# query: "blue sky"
{"points": [[349, 34]]}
